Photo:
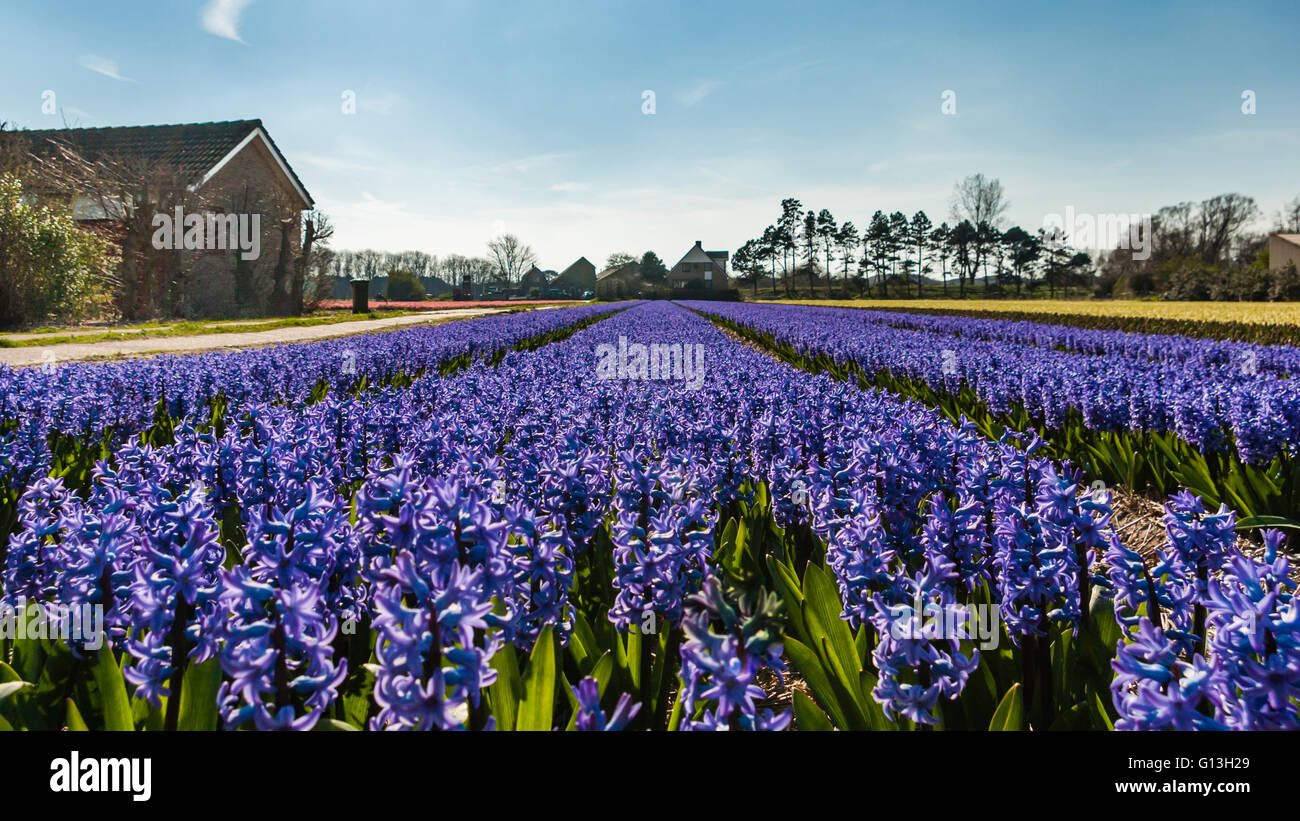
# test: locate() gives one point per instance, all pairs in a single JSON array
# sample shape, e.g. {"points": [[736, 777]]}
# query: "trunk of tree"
{"points": [[918, 270], [280, 277], [300, 270]]}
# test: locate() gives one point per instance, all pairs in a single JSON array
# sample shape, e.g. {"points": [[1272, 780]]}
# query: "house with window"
{"points": [[223, 171], [533, 283], [700, 270]]}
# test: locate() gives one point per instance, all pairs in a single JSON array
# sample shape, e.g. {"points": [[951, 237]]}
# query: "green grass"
{"points": [[191, 328], [431, 321]]}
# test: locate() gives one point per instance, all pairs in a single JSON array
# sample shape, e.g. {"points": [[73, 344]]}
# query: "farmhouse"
{"points": [[700, 270], [1283, 249], [219, 156], [620, 281], [125, 178], [577, 280], [532, 283]]}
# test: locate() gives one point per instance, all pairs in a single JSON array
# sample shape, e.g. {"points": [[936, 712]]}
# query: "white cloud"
{"points": [[568, 186], [697, 94], [103, 65], [221, 17]]}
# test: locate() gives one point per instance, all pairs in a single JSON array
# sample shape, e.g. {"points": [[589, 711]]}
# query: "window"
{"points": [[708, 274]]}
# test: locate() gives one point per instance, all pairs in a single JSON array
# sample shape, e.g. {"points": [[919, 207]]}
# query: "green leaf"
{"points": [[199, 696], [1099, 713], [1077, 718], [634, 651], [808, 716], [603, 672], [787, 587], [10, 688], [876, 718], [1008, 716], [8, 674], [729, 533], [507, 690], [75, 723], [583, 646], [823, 612], [112, 691], [1252, 522], [805, 660], [327, 725], [538, 704], [675, 717]]}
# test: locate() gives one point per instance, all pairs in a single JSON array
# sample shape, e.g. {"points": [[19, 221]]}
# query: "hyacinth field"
{"points": [[848, 520]]}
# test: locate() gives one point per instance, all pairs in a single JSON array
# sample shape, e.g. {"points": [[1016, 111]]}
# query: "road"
{"points": [[75, 351]]}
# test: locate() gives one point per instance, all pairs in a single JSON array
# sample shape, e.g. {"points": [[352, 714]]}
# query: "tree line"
{"points": [[506, 261], [1207, 250], [895, 255]]}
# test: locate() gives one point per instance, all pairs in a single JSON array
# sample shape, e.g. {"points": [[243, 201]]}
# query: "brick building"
{"points": [[228, 169]]}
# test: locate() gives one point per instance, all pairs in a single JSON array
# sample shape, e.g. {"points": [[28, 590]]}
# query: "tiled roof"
{"points": [[193, 148], [626, 267], [578, 269]]}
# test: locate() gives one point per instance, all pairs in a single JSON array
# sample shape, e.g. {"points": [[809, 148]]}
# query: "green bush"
{"points": [[404, 286], [50, 269]]}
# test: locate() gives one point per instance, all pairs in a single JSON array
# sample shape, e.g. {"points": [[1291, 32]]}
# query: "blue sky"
{"points": [[475, 118]]}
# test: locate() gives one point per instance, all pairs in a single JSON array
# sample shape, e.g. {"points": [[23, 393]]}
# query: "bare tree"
{"points": [[980, 200], [1288, 219], [316, 234], [124, 194], [1221, 218], [510, 257]]}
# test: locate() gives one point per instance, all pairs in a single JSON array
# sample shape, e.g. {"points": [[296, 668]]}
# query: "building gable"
{"points": [[198, 151]]}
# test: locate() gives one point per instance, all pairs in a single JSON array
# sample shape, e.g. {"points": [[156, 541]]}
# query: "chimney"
{"points": [[699, 244]]}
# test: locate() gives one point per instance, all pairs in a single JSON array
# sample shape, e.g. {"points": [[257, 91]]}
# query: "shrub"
{"points": [[404, 286], [49, 268], [1286, 284]]}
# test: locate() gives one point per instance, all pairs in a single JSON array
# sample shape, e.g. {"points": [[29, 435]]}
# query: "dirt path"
{"points": [[73, 351]]}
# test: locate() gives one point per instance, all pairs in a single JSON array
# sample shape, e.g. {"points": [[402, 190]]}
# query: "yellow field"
{"points": [[1270, 313]]}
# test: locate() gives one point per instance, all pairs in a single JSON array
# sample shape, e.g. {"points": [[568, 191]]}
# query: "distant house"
{"points": [[700, 270], [1283, 249], [576, 280], [532, 283], [620, 282]]}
